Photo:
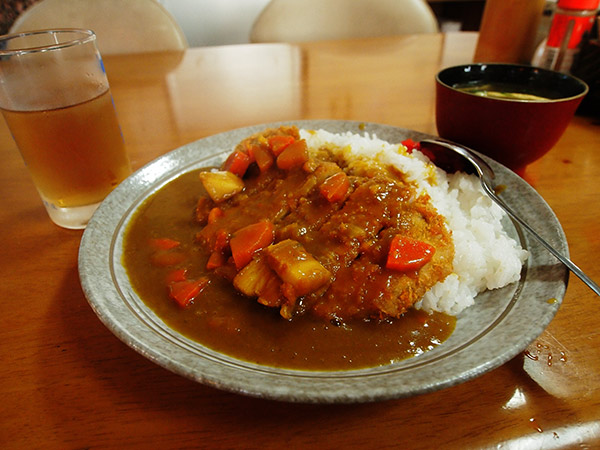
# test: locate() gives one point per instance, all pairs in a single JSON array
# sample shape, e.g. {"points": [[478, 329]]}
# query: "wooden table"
{"points": [[67, 382]]}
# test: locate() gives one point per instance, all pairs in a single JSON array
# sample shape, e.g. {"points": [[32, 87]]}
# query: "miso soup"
{"points": [[501, 91]]}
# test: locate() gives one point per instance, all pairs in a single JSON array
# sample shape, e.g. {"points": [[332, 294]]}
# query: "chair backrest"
{"points": [[121, 26], [311, 20]]}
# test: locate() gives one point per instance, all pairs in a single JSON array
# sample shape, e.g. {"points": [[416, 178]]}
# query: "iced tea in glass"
{"points": [[55, 99]]}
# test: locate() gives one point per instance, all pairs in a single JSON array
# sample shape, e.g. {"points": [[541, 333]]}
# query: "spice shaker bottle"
{"points": [[572, 22]]}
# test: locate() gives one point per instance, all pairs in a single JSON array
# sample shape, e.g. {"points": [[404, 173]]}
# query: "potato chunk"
{"points": [[257, 279], [252, 279], [221, 185], [296, 267]]}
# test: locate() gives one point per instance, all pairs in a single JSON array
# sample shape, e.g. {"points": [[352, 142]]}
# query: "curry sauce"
{"points": [[349, 309]]}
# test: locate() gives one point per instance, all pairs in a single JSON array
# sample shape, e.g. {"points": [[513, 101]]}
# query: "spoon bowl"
{"points": [[452, 158]]}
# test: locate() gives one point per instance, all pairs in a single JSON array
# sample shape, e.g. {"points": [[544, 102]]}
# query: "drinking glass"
{"points": [[55, 98]]}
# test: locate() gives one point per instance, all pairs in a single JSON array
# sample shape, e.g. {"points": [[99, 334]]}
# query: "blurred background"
{"points": [[212, 22], [224, 22]]}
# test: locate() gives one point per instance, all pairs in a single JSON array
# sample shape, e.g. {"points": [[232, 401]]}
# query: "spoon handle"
{"points": [[566, 261]]}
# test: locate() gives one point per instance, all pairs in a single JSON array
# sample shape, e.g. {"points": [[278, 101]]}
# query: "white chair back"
{"points": [[121, 26], [312, 20]]}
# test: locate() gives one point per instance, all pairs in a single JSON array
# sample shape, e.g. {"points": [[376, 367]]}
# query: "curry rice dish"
{"points": [[313, 250]]}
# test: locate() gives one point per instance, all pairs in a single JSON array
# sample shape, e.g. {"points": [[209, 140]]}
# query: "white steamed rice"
{"points": [[485, 256]]}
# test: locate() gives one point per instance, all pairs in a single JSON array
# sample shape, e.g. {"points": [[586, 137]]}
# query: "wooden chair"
{"points": [[311, 20], [121, 26]]}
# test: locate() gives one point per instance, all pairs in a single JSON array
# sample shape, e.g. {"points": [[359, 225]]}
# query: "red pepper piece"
{"points": [[408, 254], [411, 145]]}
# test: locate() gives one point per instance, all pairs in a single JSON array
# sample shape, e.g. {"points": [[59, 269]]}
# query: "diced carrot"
{"points": [[165, 258], [249, 148], [408, 254], [264, 158], [163, 243], [335, 187], [248, 240], [203, 208], [214, 214], [295, 155], [224, 324], [176, 275], [216, 259], [184, 292], [237, 163], [221, 240], [279, 143]]}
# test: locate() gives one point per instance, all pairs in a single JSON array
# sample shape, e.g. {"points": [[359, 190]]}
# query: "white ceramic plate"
{"points": [[499, 326]]}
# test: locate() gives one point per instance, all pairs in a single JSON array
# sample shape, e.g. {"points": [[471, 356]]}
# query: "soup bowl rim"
{"points": [[534, 70]]}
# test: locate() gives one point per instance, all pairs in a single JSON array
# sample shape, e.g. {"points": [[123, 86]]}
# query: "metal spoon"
{"points": [[452, 158]]}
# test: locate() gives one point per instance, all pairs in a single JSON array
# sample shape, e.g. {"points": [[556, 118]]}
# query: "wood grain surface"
{"points": [[67, 382]]}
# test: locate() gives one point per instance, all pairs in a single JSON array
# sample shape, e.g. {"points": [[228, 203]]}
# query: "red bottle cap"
{"points": [[579, 4]]}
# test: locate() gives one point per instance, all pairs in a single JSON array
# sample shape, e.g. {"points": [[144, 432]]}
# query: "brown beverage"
{"points": [[75, 154]]}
